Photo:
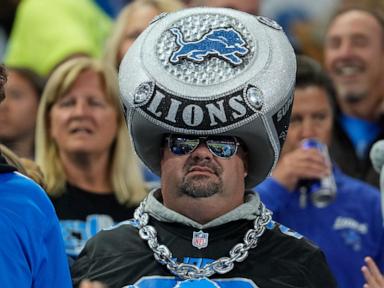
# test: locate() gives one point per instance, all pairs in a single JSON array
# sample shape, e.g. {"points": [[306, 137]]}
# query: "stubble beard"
{"points": [[351, 97], [201, 186]]}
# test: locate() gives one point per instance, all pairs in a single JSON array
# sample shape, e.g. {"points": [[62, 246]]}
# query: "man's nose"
{"points": [[345, 49], [308, 130], [202, 152]]}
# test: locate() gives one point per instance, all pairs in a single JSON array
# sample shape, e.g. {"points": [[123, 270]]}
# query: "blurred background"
{"points": [[304, 21]]}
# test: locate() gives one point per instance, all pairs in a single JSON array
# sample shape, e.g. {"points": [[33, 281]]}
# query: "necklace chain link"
{"points": [[188, 271]]}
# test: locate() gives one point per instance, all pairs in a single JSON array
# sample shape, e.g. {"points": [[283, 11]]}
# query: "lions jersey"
{"points": [[282, 258]]}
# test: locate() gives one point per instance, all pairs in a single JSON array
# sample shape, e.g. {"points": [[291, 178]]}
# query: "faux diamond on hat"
{"points": [[205, 49]]}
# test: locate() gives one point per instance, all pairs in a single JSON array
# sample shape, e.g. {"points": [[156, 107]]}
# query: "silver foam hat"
{"points": [[210, 71]]}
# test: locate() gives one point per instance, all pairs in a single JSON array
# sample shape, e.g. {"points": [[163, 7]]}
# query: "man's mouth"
{"points": [[201, 169], [349, 69], [81, 130]]}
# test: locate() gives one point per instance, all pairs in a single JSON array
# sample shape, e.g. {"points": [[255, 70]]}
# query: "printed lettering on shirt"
{"points": [[76, 232], [172, 282], [351, 231], [283, 229], [350, 223], [199, 262]]}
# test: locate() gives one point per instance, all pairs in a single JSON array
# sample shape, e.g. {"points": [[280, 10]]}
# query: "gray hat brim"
{"points": [[260, 150]]}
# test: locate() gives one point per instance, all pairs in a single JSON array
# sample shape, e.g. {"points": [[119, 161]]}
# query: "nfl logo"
{"points": [[200, 239]]}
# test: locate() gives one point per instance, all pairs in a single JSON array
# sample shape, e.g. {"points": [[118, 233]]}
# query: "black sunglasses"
{"points": [[220, 146]]}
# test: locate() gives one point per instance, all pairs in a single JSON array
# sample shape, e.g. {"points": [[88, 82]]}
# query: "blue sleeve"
{"points": [[28, 261], [379, 224], [274, 195], [51, 267], [14, 268], [32, 250], [54, 265], [379, 259]]}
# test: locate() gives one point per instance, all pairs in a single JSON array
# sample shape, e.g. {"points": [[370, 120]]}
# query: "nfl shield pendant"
{"points": [[200, 239]]}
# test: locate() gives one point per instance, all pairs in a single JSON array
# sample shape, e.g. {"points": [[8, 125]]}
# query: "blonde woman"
{"points": [[84, 151], [132, 20]]}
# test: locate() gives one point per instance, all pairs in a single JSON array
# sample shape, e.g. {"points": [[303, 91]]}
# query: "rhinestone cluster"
{"points": [[143, 92], [254, 97], [213, 70]]}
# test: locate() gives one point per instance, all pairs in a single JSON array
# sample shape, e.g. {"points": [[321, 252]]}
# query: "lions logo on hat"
{"points": [[226, 43]]}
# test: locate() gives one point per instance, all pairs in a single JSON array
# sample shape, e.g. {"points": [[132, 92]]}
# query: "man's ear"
{"points": [[244, 156], [2, 95], [161, 155], [245, 169], [162, 152]]}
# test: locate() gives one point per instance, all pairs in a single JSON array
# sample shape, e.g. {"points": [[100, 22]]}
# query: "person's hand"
{"points": [[91, 284], [300, 164], [372, 274]]}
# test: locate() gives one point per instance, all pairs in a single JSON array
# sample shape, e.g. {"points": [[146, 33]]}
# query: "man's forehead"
{"points": [[310, 98], [353, 21]]}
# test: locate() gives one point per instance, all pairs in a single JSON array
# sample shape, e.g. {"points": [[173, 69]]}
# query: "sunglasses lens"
{"points": [[223, 147], [220, 146], [182, 145]]}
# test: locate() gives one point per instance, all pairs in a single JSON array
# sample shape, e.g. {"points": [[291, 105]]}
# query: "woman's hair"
{"points": [[123, 20], [125, 174], [36, 81], [24, 166], [12, 159]]}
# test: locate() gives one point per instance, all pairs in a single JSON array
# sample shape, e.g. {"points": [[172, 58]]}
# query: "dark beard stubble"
{"points": [[201, 186]]}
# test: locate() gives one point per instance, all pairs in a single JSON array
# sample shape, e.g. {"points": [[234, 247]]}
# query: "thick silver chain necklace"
{"points": [[238, 253]]}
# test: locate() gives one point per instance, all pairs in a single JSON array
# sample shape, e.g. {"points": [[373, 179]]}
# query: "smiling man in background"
{"points": [[354, 58]]}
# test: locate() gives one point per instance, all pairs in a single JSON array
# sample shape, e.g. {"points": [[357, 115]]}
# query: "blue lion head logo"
{"points": [[225, 43], [201, 283]]}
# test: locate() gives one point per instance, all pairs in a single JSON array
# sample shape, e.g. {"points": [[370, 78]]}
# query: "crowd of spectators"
{"points": [[63, 125]]}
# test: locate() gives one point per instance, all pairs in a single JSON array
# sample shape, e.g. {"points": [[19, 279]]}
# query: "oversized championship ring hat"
{"points": [[210, 71]]}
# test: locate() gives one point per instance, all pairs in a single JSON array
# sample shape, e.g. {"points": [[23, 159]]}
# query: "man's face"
{"points": [[249, 6], [311, 118], [201, 174], [354, 55], [18, 110]]}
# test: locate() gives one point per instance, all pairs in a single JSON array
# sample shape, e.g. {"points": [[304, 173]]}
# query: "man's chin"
{"points": [[352, 96], [200, 186]]}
